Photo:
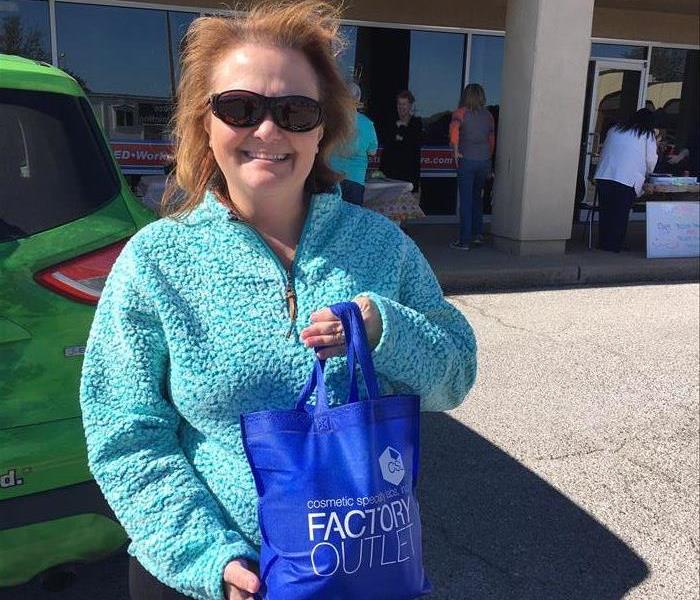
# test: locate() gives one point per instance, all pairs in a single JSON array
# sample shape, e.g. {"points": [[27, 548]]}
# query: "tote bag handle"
{"points": [[358, 352]]}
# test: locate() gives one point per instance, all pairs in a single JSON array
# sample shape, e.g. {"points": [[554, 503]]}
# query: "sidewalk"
{"points": [[488, 269]]}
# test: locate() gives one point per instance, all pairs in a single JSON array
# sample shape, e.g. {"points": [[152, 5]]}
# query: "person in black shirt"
{"points": [[688, 158], [402, 143]]}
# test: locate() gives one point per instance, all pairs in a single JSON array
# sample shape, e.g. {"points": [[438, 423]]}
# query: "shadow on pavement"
{"points": [[102, 580], [493, 529]]}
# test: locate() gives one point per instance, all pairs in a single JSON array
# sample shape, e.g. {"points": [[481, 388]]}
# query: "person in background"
{"points": [[629, 153], [472, 137], [402, 142], [352, 159], [687, 160]]}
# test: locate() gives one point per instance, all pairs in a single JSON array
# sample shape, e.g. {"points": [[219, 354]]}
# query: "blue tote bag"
{"points": [[337, 507]]}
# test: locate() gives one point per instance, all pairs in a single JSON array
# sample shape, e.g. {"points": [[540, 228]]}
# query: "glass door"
{"points": [[615, 92]]}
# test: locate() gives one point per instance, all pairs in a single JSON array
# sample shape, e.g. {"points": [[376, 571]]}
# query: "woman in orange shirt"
{"points": [[473, 140]]}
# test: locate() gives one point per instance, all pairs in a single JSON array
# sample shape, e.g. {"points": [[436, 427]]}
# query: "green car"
{"points": [[65, 213]]}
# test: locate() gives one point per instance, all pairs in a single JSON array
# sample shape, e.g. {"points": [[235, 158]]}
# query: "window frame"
{"points": [[359, 23], [147, 5], [49, 21], [467, 31]]}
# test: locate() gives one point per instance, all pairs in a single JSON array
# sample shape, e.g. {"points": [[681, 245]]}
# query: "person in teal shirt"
{"points": [[351, 160], [221, 307]]}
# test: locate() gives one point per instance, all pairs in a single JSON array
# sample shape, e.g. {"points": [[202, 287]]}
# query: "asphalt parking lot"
{"points": [[571, 471]]}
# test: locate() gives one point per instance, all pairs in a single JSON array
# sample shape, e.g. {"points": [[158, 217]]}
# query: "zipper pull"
{"points": [[291, 305]]}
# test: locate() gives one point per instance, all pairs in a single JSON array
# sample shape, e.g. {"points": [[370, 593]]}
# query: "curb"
{"points": [[572, 275], [652, 271]]}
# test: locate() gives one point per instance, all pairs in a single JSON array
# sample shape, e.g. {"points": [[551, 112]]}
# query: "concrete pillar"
{"points": [[547, 48]]}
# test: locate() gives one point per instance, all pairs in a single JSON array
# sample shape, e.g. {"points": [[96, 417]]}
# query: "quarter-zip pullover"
{"points": [[199, 322]]}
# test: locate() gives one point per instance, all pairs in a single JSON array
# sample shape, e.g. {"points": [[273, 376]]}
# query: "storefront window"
{"points": [[599, 50], [115, 50], [381, 70], [431, 65], [24, 29], [486, 65], [346, 54], [127, 60], [485, 68], [672, 92], [178, 22], [435, 75]]}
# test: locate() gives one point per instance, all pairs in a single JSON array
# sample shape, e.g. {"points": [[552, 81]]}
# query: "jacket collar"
{"points": [[324, 210]]}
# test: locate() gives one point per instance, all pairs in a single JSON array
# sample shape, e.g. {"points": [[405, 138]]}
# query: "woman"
{"points": [[629, 153], [473, 140], [351, 160], [215, 310], [402, 143]]}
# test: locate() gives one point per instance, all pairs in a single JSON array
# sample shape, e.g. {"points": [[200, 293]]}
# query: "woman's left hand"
{"points": [[326, 330]]}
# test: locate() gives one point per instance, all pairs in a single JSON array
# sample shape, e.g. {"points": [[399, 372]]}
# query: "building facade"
{"points": [[556, 74]]}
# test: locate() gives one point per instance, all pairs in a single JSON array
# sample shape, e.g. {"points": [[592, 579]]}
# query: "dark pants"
{"points": [[352, 191], [615, 201], [143, 586], [471, 177]]}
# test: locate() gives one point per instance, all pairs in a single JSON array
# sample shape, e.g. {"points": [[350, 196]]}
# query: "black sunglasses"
{"points": [[241, 108]]}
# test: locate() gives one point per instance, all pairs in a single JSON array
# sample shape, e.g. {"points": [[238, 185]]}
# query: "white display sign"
{"points": [[673, 229]]}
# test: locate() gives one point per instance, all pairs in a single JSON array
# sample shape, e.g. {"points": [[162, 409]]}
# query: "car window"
{"points": [[54, 164]]}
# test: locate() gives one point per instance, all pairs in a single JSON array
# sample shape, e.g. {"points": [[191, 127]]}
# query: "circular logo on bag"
{"points": [[391, 464]]}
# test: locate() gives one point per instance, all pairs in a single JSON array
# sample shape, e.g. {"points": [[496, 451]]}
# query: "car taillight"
{"points": [[81, 278]]}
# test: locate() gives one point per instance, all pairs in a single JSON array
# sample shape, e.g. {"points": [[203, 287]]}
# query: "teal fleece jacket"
{"points": [[193, 329]]}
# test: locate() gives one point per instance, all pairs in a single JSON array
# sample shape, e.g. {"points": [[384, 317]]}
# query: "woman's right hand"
{"points": [[240, 583]]}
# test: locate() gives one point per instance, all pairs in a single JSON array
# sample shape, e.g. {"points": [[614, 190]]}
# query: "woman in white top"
{"points": [[628, 154]]}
